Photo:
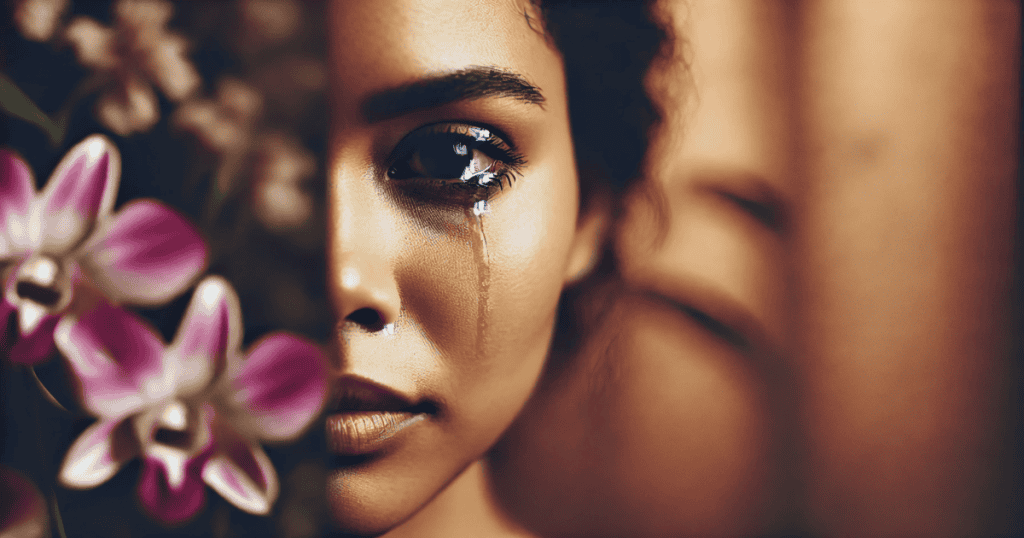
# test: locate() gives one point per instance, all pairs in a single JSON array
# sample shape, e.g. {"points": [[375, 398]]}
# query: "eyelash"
{"points": [[461, 139]]}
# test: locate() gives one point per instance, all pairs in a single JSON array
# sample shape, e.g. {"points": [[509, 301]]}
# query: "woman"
{"points": [[471, 160]]}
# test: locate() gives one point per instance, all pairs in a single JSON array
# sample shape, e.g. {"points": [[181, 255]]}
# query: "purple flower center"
{"points": [[42, 280], [37, 293]]}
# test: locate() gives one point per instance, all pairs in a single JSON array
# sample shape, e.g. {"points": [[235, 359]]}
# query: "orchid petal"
{"points": [[36, 346], [32, 342], [210, 331], [117, 358], [16, 195], [30, 314], [82, 188], [6, 310], [97, 454], [281, 386], [241, 472], [192, 426], [168, 503], [146, 254]]}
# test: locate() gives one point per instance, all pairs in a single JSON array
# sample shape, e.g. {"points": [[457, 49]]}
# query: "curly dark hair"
{"points": [[607, 48]]}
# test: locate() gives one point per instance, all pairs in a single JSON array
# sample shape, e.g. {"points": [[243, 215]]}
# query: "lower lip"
{"points": [[356, 433]]}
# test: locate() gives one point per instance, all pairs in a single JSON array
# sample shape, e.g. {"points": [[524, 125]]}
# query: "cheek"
{"points": [[529, 237], [440, 280], [688, 428], [520, 249]]}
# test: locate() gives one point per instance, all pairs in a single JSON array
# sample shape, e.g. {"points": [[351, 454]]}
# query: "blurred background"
{"points": [[818, 328]]}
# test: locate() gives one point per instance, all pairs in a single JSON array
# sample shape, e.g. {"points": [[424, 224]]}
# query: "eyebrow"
{"points": [[467, 84]]}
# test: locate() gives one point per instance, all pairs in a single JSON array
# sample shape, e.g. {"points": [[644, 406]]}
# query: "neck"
{"points": [[466, 508]]}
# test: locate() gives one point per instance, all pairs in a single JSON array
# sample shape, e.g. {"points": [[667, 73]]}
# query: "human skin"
{"points": [[439, 311], [671, 421]]}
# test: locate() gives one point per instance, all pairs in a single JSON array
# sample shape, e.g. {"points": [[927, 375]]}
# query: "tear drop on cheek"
{"points": [[475, 215], [481, 208]]}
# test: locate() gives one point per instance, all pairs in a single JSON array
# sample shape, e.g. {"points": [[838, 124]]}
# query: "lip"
{"points": [[368, 417]]}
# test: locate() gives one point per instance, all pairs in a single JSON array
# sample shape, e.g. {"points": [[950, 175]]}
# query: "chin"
{"points": [[384, 458], [373, 494], [358, 508]]}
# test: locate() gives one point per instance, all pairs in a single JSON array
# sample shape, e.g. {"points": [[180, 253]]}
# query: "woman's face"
{"points": [[452, 228]]}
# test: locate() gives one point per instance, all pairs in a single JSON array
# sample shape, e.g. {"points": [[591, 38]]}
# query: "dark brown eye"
{"points": [[446, 160], [459, 156]]}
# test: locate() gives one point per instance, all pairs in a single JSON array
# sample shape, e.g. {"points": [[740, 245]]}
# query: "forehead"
{"points": [[385, 43]]}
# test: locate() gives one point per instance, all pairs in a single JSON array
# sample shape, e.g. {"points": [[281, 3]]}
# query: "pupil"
{"points": [[444, 160]]}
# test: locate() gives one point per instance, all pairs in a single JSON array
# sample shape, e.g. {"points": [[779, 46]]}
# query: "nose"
{"points": [[361, 279]]}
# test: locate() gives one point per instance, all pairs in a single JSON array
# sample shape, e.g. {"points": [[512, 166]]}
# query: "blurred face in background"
{"points": [[666, 423], [815, 332]]}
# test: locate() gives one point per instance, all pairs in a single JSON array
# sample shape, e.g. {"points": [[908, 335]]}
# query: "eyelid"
{"points": [[719, 313], [749, 193], [483, 139], [407, 177], [435, 128]]}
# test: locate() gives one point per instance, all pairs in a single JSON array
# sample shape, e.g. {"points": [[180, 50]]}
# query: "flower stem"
{"points": [[57, 520], [45, 466], [46, 392]]}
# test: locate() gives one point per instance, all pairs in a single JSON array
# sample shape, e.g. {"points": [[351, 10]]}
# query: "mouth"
{"points": [[367, 418]]}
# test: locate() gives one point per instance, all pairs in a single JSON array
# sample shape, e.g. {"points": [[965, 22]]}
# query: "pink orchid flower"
{"points": [[146, 254], [195, 410]]}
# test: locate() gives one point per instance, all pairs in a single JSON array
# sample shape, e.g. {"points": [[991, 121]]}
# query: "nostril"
{"points": [[368, 318]]}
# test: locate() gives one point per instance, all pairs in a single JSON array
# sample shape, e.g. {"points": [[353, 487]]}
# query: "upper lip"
{"points": [[354, 394]]}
